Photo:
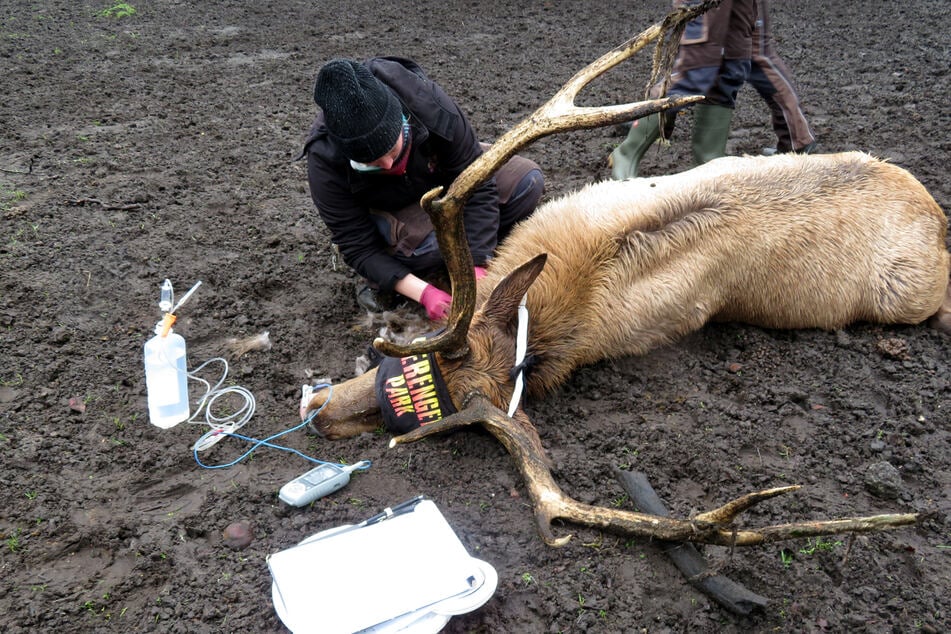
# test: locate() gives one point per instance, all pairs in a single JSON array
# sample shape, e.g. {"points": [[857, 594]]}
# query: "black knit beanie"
{"points": [[362, 115]]}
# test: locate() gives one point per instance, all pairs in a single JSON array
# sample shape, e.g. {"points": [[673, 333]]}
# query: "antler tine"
{"points": [[559, 114]]}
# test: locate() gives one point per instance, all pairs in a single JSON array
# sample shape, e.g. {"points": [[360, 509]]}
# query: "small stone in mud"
{"points": [[77, 404], [238, 535], [893, 347], [883, 480]]}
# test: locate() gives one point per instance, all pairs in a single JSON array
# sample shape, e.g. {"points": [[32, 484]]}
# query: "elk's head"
{"points": [[484, 365], [488, 363]]}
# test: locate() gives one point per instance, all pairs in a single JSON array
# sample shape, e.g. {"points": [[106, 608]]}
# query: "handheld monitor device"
{"points": [[318, 482]]}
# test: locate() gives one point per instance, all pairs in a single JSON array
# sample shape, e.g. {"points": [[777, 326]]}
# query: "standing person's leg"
{"points": [[627, 156], [712, 118], [765, 89], [713, 60], [711, 129], [771, 79]]}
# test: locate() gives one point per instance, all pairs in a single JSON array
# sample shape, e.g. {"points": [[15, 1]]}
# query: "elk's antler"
{"points": [[559, 114], [713, 527]]}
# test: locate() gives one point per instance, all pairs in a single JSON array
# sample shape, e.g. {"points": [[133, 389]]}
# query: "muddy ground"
{"points": [[162, 144]]}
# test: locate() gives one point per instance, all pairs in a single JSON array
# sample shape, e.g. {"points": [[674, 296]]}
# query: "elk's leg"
{"points": [[941, 320], [731, 595]]}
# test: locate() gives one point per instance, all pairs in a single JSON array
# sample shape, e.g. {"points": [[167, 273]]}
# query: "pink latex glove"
{"points": [[436, 302], [479, 273]]}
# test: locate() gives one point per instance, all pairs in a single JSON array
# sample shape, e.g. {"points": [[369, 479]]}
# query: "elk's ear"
{"points": [[503, 302]]}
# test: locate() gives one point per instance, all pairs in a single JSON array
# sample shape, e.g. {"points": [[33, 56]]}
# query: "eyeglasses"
{"points": [[369, 169]]}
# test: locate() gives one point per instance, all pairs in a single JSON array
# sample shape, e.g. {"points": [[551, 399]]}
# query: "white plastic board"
{"points": [[409, 569]]}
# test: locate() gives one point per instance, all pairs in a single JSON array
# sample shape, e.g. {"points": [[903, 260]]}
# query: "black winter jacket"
{"points": [[443, 144]]}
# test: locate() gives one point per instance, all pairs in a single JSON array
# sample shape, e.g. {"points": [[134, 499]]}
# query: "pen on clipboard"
{"points": [[398, 509]]}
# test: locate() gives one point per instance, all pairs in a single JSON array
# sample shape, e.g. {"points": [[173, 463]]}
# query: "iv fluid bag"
{"points": [[166, 380]]}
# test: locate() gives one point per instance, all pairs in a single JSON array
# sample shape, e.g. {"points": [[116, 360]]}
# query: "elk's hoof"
{"points": [[941, 321]]}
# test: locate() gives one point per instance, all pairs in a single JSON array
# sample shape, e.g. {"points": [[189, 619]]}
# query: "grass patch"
{"points": [[118, 11], [9, 196]]}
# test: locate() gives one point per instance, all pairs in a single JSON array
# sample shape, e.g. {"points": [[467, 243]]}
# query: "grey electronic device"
{"points": [[318, 482]]}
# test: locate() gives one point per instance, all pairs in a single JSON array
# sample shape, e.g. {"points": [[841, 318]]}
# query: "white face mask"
{"points": [[363, 167]]}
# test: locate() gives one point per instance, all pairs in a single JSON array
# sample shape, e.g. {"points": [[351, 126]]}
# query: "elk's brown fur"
{"points": [[782, 242]]}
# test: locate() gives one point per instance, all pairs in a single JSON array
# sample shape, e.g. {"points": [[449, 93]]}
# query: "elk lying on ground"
{"points": [[788, 241]]}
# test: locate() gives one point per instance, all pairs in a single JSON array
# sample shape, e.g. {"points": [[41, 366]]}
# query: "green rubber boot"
{"points": [[711, 127], [627, 156]]}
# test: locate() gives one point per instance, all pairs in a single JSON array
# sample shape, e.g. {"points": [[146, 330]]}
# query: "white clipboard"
{"points": [[407, 572]]}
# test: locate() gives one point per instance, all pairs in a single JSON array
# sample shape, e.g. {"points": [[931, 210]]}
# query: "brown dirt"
{"points": [[162, 145]]}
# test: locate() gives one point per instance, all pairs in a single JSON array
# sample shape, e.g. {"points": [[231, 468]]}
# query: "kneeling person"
{"points": [[384, 136]]}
